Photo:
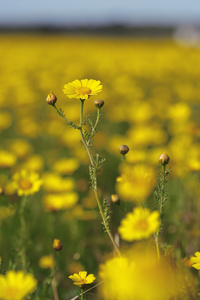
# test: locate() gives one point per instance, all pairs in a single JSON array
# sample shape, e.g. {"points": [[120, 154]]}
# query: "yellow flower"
{"points": [[139, 224], [46, 262], [26, 183], [16, 285], [6, 212], [7, 159], [82, 89], [195, 261], [54, 202], [66, 166], [54, 183], [138, 274], [82, 278], [136, 182]]}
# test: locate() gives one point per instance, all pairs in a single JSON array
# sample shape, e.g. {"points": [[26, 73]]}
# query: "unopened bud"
{"points": [[115, 198], [57, 245], [51, 99], [123, 149], [99, 103], [164, 158]]}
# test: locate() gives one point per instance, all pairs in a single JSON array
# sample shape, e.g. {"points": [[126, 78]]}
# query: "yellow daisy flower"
{"points": [[26, 182], [16, 285], [195, 261], [139, 224], [46, 262], [81, 279], [82, 89]]}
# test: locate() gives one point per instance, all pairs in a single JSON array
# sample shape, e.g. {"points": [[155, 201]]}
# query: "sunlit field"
{"points": [[151, 94]]}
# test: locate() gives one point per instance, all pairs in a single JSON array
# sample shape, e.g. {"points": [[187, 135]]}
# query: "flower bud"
{"points": [[57, 245], [51, 99], [115, 199], [164, 158], [99, 103], [123, 149]]}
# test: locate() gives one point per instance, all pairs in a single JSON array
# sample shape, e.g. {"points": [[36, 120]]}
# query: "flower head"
{"points": [[57, 245], [195, 261], [81, 279], [26, 183], [46, 262], [139, 224], [82, 89], [16, 285]]}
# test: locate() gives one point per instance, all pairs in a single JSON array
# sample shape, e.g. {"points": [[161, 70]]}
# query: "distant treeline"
{"points": [[150, 31]]}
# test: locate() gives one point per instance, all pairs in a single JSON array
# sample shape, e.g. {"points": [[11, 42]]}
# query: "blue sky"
{"points": [[98, 12]]}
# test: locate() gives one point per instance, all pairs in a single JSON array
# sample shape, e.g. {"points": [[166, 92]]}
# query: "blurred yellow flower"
{"points": [[20, 147], [54, 202], [195, 260], [34, 163], [5, 120], [7, 159], [16, 285], [82, 89], [6, 212], [54, 183], [26, 182], [139, 224], [80, 213], [81, 279], [138, 274], [66, 166], [136, 182], [46, 262]]}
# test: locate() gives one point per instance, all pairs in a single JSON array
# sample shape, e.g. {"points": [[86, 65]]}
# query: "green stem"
{"points": [[22, 232], [124, 158], [95, 180], [163, 191], [162, 198], [82, 294], [95, 125], [157, 244]]}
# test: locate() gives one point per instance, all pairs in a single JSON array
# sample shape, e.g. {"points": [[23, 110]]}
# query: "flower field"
{"points": [[52, 204]]}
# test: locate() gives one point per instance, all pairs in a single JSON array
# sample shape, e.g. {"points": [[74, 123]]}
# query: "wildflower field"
{"points": [[102, 194]]}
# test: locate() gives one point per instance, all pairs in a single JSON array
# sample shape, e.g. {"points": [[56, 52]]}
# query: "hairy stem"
{"points": [[95, 180], [22, 232]]}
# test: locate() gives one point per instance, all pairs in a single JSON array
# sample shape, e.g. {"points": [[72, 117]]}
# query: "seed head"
{"points": [[57, 245], [99, 103], [51, 99], [164, 158], [123, 149]]}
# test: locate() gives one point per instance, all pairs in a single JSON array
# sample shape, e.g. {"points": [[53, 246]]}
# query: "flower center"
{"points": [[25, 184], [141, 225], [83, 90]]}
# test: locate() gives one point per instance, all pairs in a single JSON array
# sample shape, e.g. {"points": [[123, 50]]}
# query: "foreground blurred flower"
{"points": [[16, 285], [26, 183], [138, 274], [195, 261], [82, 89], [81, 279], [139, 224]]}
